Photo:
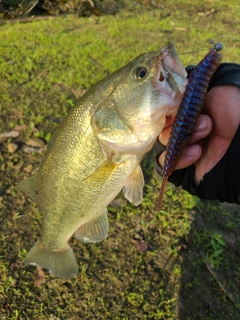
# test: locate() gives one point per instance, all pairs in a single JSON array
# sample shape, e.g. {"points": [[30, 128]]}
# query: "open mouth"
{"points": [[161, 77], [172, 70]]}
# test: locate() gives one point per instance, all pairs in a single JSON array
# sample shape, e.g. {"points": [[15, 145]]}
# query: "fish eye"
{"points": [[140, 73]]}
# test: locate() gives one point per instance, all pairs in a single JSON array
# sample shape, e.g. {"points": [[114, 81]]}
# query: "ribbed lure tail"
{"points": [[161, 192], [188, 112]]}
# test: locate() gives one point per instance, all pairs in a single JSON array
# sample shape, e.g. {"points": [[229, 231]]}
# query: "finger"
{"points": [[169, 121], [164, 135], [226, 116], [201, 130], [190, 155]]}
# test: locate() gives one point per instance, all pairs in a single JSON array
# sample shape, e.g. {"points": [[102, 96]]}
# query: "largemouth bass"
{"points": [[96, 152]]}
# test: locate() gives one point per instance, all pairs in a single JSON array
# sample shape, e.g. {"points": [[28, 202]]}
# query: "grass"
{"points": [[63, 57], [44, 67]]}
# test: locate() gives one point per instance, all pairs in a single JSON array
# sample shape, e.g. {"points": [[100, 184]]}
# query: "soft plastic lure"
{"points": [[188, 112]]}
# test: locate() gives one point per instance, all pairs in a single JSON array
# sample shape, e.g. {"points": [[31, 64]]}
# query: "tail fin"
{"points": [[61, 263]]}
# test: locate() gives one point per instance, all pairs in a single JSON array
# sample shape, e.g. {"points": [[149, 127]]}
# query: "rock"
{"points": [[28, 168], [39, 277], [34, 145], [12, 147], [20, 128], [35, 142], [118, 202], [30, 149], [143, 246], [10, 134]]}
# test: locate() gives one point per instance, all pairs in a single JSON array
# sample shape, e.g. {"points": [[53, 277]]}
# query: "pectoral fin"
{"points": [[94, 230], [133, 190], [29, 186]]}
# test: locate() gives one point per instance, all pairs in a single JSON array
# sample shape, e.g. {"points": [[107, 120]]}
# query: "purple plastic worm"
{"points": [[188, 112]]}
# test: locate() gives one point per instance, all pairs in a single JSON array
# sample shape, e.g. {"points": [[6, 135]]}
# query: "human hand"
{"points": [[213, 132]]}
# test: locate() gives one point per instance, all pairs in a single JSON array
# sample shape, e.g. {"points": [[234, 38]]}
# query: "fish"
{"points": [[96, 152], [189, 111]]}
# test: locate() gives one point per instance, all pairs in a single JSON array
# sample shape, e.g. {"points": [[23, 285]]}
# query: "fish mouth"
{"points": [[171, 69], [169, 80]]}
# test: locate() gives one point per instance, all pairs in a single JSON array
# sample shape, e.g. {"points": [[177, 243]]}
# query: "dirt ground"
{"points": [[183, 263], [133, 274]]}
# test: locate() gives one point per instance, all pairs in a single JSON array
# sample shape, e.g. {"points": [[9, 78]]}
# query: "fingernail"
{"points": [[201, 123]]}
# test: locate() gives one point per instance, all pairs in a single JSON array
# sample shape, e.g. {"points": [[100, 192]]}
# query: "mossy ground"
{"points": [[181, 263]]}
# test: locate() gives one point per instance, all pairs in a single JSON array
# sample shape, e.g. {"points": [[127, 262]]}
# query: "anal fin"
{"points": [[133, 190], [94, 230]]}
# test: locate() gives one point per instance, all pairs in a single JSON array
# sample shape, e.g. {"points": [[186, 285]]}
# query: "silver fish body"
{"points": [[96, 152]]}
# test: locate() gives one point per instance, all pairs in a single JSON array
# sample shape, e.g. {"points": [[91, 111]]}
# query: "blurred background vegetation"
{"points": [[12, 9]]}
